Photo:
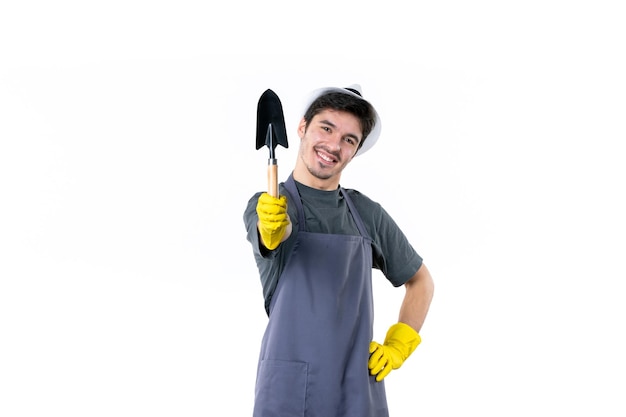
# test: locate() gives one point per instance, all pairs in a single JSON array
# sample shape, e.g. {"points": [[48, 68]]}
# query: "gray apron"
{"points": [[314, 353]]}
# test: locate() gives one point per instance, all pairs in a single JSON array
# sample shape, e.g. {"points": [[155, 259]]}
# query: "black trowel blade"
{"points": [[270, 125]]}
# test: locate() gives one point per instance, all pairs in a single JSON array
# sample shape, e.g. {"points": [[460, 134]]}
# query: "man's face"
{"points": [[328, 144]]}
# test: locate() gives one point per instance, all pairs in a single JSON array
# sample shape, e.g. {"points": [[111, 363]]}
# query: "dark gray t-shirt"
{"points": [[327, 212]]}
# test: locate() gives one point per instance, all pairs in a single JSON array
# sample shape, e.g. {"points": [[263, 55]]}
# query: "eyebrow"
{"points": [[331, 124]]}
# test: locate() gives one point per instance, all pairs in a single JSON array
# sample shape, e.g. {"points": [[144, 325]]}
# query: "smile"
{"points": [[326, 158]]}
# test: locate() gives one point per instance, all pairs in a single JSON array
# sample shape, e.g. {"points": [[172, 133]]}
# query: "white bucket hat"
{"points": [[353, 90]]}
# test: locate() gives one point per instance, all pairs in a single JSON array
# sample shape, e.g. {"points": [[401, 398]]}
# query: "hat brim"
{"points": [[373, 136]]}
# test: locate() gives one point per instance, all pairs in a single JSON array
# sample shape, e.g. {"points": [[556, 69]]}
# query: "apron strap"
{"points": [[290, 186], [355, 215]]}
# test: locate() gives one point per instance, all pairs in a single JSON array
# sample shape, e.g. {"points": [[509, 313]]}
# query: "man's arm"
{"points": [[403, 337], [419, 293]]}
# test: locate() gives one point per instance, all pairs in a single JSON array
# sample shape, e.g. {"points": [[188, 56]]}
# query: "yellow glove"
{"points": [[273, 219], [400, 342]]}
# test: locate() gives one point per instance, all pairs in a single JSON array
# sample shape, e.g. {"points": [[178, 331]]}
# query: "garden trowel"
{"points": [[270, 131]]}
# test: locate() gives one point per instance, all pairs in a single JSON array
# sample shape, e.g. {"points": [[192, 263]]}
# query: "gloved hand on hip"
{"points": [[400, 342], [273, 219]]}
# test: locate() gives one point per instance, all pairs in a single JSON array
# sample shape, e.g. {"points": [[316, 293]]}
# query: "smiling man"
{"points": [[315, 247]]}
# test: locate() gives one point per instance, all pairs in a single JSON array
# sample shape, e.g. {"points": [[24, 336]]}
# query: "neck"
{"points": [[303, 176]]}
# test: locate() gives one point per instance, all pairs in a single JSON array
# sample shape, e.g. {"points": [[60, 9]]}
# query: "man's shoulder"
{"points": [[356, 193], [362, 200]]}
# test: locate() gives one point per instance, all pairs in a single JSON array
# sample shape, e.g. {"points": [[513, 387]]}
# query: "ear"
{"points": [[301, 128]]}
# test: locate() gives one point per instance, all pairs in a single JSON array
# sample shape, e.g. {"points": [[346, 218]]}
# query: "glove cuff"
{"points": [[272, 238], [404, 338]]}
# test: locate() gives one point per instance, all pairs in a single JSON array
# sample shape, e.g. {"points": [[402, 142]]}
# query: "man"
{"points": [[315, 247]]}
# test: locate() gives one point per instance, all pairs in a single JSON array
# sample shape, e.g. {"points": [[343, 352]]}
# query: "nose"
{"points": [[335, 142]]}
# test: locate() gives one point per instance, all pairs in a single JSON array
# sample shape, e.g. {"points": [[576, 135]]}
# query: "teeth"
{"points": [[324, 157]]}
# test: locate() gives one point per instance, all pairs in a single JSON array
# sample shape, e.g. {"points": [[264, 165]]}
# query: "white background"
{"points": [[127, 157]]}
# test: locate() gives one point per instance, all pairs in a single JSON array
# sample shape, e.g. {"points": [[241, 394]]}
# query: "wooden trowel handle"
{"points": [[272, 179]]}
